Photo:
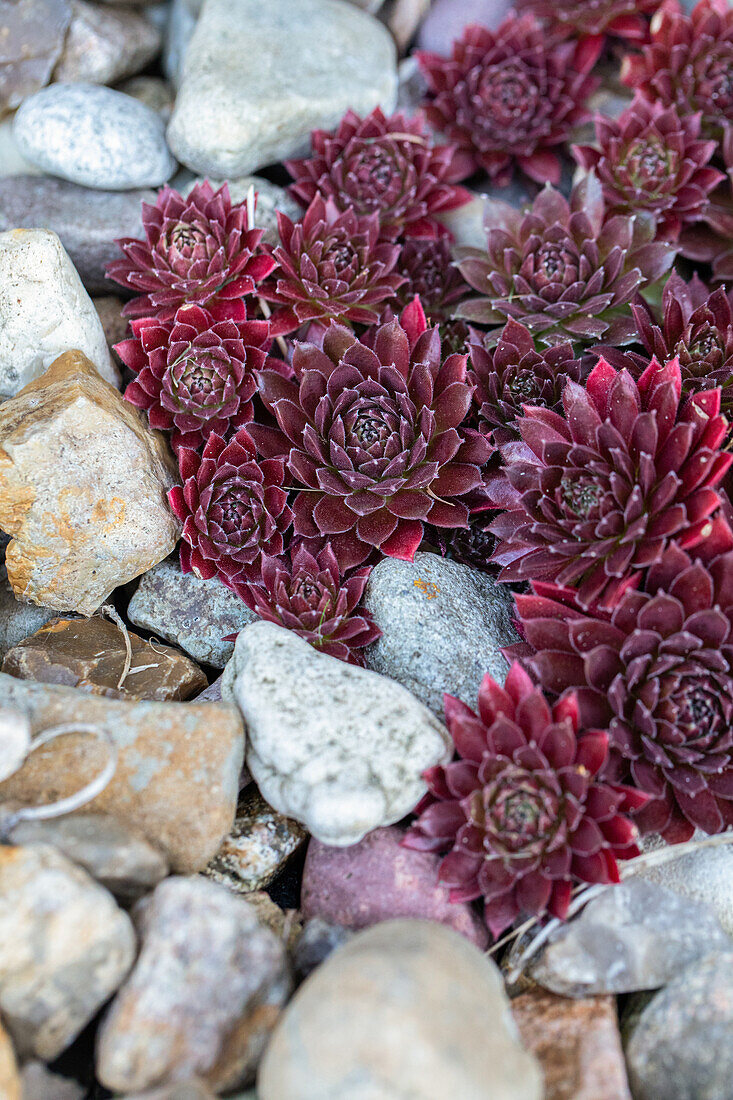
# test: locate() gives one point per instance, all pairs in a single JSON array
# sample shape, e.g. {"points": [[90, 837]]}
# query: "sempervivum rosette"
{"points": [[233, 508], [689, 62], [515, 374], [658, 674], [374, 435], [651, 159], [712, 241], [430, 274], [331, 266], [566, 270], [196, 249], [306, 592], [522, 813], [509, 97], [194, 373], [387, 166], [601, 491], [594, 19]]}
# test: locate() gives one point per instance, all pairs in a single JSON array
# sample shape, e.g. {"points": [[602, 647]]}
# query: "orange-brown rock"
{"points": [[9, 1080], [83, 485], [91, 654], [577, 1044]]}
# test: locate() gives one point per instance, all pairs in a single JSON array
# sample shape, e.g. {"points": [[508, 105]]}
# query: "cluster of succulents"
{"points": [[552, 407]]}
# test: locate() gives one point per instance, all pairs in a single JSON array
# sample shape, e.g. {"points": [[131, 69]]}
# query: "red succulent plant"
{"points": [[509, 97], [522, 812], [711, 242], [197, 249], [657, 672], [430, 274], [593, 19], [374, 435], [195, 375], [382, 165], [233, 508], [601, 491]]}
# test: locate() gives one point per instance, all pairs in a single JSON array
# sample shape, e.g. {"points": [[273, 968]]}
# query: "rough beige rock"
{"points": [[65, 947], [177, 777], [104, 45], [261, 842], [83, 485], [9, 1079]]}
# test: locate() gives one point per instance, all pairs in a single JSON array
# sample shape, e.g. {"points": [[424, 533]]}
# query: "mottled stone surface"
{"points": [[10, 1088], [195, 614], [705, 875], [447, 19], [443, 626], [83, 485], [680, 1046], [153, 92], [18, 619], [86, 221], [94, 136], [38, 1083], [44, 310], [31, 41], [377, 880], [104, 45], [633, 936], [91, 654], [577, 1044], [116, 855], [259, 845], [205, 992], [408, 1008], [179, 28], [177, 772], [257, 78], [12, 163], [338, 748], [183, 1090], [65, 947], [283, 922]]}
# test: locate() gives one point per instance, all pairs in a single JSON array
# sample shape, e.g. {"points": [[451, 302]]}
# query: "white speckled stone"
{"points": [[12, 163], [257, 78], [338, 748], [44, 311], [94, 136]]}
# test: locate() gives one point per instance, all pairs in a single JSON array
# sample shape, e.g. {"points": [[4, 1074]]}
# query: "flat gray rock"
{"points": [[443, 627], [94, 136], [257, 78], [19, 619], [338, 748]]}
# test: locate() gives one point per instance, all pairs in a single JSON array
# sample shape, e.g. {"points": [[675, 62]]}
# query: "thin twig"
{"points": [[109, 610]]}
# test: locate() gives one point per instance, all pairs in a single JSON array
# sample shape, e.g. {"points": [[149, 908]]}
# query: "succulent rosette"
{"points": [[197, 249], [514, 374], [601, 491], [652, 159], [195, 375], [689, 62], [510, 97], [331, 266], [233, 508], [594, 19], [566, 269], [375, 437], [305, 591], [522, 812], [711, 242], [430, 274], [657, 673], [388, 166]]}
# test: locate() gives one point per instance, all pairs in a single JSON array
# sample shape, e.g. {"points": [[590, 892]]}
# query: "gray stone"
{"points": [[104, 45], [94, 136], [38, 1083], [182, 18], [12, 163], [632, 937], [31, 41], [203, 996], [194, 614], [443, 627], [114, 854], [19, 619], [270, 199], [195, 1089], [406, 1009], [257, 78], [44, 311], [259, 845], [448, 18], [339, 748], [65, 947], [86, 221], [705, 875], [680, 1046], [153, 92], [317, 941]]}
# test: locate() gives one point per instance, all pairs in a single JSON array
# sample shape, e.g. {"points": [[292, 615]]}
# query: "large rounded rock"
{"points": [[405, 1009], [103, 46], [338, 748], [31, 39]]}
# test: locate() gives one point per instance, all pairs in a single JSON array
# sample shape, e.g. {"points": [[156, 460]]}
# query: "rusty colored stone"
{"points": [[177, 776], [259, 845], [91, 654], [31, 39], [577, 1044], [83, 485]]}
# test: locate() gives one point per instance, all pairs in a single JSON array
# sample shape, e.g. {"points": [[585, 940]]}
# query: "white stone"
{"points": [[338, 748], [94, 136], [257, 78], [44, 310], [12, 162]]}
